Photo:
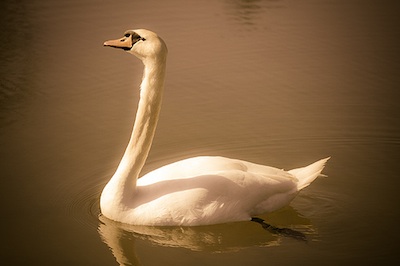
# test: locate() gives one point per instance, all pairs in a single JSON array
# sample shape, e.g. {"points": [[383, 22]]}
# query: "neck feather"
{"points": [[151, 91]]}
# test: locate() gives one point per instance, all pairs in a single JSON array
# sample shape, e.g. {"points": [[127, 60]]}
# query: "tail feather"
{"points": [[308, 174]]}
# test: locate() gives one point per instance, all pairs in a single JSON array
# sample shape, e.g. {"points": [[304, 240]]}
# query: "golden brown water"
{"points": [[281, 83]]}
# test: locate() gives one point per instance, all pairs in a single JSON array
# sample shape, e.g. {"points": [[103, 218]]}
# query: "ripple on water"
{"points": [[83, 200], [326, 209]]}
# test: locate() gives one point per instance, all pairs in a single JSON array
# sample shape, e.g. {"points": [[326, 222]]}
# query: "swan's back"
{"points": [[201, 165]]}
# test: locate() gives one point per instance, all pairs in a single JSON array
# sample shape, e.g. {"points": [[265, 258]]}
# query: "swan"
{"points": [[196, 191]]}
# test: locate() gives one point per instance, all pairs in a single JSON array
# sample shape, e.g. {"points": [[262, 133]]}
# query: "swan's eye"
{"points": [[143, 39]]}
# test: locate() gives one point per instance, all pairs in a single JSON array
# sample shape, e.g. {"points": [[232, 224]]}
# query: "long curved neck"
{"points": [[151, 91]]}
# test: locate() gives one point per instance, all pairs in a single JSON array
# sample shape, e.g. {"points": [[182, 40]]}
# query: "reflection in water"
{"points": [[219, 238]]}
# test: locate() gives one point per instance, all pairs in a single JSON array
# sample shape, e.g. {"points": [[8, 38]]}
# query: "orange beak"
{"points": [[123, 43]]}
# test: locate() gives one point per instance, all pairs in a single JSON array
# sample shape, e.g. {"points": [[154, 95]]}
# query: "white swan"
{"points": [[196, 191]]}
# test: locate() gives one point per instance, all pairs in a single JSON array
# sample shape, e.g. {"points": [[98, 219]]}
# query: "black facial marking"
{"points": [[136, 37]]}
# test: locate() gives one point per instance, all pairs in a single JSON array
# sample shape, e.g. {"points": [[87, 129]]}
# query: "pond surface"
{"points": [[277, 82]]}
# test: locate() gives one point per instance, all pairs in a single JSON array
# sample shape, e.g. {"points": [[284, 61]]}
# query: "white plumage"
{"points": [[195, 191]]}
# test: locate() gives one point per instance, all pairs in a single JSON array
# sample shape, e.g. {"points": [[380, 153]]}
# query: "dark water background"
{"points": [[282, 83]]}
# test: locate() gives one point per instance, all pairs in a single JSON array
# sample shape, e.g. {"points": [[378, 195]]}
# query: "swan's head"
{"points": [[144, 44]]}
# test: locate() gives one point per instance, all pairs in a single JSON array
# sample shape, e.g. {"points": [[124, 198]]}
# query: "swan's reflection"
{"points": [[216, 238]]}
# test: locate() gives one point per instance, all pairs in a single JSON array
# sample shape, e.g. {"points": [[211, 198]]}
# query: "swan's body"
{"points": [[195, 191]]}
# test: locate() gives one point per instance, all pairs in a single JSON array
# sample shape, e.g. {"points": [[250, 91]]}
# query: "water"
{"points": [[282, 83]]}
